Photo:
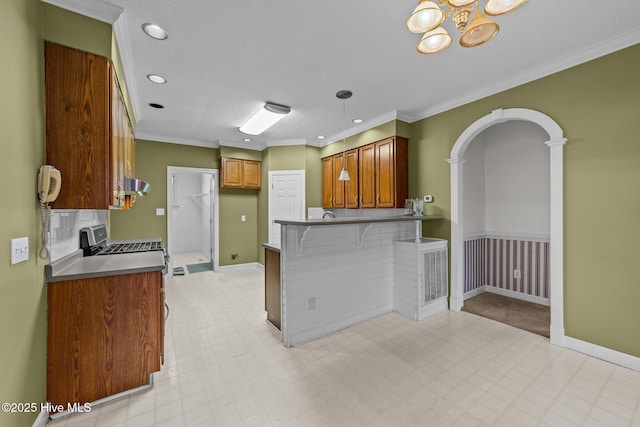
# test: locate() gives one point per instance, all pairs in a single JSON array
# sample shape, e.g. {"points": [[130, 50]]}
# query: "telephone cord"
{"points": [[45, 216]]}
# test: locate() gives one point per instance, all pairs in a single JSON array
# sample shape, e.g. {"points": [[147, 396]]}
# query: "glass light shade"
{"points": [[434, 41], [459, 3], [425, 17], [344, 175], [479, 31], [264, 118], [499, 7]]}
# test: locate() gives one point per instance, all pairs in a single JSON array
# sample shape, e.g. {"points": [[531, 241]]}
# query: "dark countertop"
{"points": [[272, 246], [74, 266], [357, 220]]}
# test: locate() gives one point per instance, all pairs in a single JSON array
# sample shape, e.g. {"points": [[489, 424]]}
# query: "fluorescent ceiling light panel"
{"points": [[264, 118]]}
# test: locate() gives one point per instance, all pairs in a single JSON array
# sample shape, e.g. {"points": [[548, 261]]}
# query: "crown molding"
{"points": [[586, 54], [123, 42], [105, 12], [245, 145], [147, 136]]}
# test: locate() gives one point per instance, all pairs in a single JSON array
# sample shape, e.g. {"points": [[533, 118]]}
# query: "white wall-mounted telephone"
{"points": [[49, 181]]}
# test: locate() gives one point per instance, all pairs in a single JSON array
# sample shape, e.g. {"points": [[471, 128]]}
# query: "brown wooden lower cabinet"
{"points": [[272, 300], [105, 335]]}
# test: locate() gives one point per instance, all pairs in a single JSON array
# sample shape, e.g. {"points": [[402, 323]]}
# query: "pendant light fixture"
{"points": [[429, 16], [344, 95]]}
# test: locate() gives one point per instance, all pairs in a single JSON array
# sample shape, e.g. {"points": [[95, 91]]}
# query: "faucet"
{"points": [[324, 215]]}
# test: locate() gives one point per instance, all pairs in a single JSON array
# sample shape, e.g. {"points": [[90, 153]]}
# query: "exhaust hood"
{"points": [[136, 186]]}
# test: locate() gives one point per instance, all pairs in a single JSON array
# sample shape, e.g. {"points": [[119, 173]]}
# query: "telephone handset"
{"points": [[49, 181]]}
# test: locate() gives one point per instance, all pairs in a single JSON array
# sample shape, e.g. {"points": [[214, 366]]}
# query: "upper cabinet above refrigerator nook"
{"points": [[379, 176]]}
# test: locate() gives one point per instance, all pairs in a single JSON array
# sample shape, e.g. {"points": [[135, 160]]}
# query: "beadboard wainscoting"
{"points": [[491, 261], [336, 276]]}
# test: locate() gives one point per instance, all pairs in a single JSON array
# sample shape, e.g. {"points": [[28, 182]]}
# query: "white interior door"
{"points": [[286, 199]]}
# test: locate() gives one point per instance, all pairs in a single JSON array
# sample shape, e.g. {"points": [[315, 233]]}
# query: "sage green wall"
{"points": [[313, 177], [290, 157], [237, 237], [596, 104], [377, 133], [152, 159], [77, 31], [23, 303]]}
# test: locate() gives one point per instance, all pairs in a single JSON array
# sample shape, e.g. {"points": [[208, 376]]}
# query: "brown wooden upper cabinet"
{"points": [[332, 187], [392, 172], [351, 186], [89, 137], [379, 176], [240, 173]]}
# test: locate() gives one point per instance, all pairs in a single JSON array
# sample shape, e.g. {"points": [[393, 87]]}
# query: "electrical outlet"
{"points": [[19, 250], [516, 274], [312, 303], [243, 218], [159, 211]]}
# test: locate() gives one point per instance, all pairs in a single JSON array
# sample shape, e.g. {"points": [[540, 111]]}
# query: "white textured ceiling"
{"points": [[224, 59]]}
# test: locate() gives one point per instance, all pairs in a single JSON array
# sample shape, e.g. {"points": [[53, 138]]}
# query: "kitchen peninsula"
{"points": [[338, 272]]}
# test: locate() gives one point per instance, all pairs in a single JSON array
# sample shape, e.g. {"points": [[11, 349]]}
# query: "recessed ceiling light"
{"points": [[156, 78], [247, 139], [321, 137], [155, 31], [357, 121], [154, 105]]}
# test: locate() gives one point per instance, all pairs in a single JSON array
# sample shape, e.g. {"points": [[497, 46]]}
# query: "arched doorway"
{"points": [[555, 143]]}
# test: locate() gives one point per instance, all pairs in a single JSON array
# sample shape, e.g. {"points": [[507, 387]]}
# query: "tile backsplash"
{"points": [[65, 229]]}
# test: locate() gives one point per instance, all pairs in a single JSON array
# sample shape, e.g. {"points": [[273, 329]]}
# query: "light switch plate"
{"points": [[159, 211], [19, 250]]}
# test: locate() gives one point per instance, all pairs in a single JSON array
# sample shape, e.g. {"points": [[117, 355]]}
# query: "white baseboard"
{"points": [[240, 266], [42, 420], [507, 293], [433, 308], [603, 353], [474, 292]]}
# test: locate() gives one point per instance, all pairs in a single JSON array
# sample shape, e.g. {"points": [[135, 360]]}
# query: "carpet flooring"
{"points": [[520, 314]]}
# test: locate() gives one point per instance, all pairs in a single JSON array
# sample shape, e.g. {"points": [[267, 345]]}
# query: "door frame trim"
{"points": [[215, 212], [555, 143]]}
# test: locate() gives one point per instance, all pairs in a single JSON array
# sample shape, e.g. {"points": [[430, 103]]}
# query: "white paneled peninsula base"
{"points": [[338, 272]]}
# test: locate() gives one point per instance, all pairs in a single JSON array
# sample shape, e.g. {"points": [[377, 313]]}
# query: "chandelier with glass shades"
{"points": [[428, 17]]}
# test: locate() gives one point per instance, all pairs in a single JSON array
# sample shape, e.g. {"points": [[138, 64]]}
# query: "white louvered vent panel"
{"points": [[435, 275]]}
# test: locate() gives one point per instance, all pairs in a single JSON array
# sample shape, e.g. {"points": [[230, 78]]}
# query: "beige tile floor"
{"points": [[224, 367]]}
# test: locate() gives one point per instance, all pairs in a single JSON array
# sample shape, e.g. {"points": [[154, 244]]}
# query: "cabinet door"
{"points": [[231, 176], [77, 89], [385, 174], [251, 174], [117, 142], [272, 300], [338, 186], [327, 182], [104, 335], [366, 175], [351, 186]]}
